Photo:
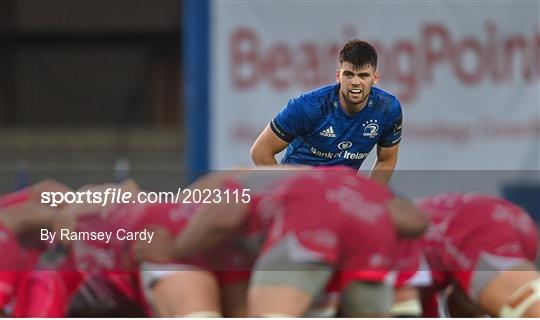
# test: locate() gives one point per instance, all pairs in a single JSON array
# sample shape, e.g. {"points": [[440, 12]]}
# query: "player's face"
{"points": [[356, 82]]}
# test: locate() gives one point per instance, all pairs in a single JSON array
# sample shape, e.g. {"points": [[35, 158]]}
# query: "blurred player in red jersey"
{"points": [[102, 279], [90, 277], [48, 289], [311, 224], [209, 285], [22, 216], [68, 264], [485, 248]]}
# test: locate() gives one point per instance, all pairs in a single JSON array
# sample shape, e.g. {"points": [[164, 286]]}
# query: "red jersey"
{"points": [[470, 233], [332, 216], [15, 261]]}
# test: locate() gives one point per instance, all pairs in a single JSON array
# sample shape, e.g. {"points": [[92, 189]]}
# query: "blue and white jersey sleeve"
{"points": [[295, 120], [391, 134]]}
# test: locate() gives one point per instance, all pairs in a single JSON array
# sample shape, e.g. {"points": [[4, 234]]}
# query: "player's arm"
{"points": [[27, 216], [296, 119], [212, 222], [384, 165], [267, 145], [388, 146], [209, 227], [205, 229]]}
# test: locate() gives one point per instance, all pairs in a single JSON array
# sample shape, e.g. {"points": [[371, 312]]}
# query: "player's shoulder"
{"points": [[386, 100], [315, 104], [452, 201], [324, 91], [444, 202], [319, 98], [474, 201]]}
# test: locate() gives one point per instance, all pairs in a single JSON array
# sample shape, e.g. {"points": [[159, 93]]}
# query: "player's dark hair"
{"points": [[359, 53]]}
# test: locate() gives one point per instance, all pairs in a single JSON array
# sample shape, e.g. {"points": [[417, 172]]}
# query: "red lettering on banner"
{"points": [[536, 56], [522, 129], [458, 133], [277, 65], [489, 129], [432, 55], [408, 77], [493, 54], [409, 63], [244, 55], [513, 44], [459, 55], [244, 132], [308, 70]]}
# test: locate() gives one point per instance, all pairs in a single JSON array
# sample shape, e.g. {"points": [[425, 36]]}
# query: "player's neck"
{"points": [[349, 108]]}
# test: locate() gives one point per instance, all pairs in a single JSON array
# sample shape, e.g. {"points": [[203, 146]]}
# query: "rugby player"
{"points": [[302, 244], [22, 216], [95, 278], [483, 248], [338, 124]]}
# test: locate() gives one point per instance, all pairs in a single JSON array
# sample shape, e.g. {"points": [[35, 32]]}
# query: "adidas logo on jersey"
{"points": [[328, 132]]}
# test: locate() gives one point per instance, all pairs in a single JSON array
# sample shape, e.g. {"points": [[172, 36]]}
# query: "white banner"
{"points": [[467, 74]]}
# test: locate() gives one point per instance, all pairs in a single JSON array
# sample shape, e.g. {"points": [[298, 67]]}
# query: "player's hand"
{"points": [[158, 250]]}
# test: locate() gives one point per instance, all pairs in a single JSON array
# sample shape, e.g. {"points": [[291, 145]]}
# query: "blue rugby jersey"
{"points": [[320, 132]]}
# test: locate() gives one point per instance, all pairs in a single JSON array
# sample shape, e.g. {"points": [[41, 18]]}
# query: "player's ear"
{"points": [[376, 77], [337, 74]]}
